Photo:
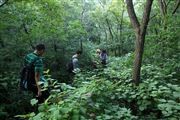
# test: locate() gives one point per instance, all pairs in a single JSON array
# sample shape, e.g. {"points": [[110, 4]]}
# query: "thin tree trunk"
{"points": [[54, 46], [177, 6], [105, 33], [26, 31], [116, 35], [109, 27], [121, 27], [81, 44], [82, 13], [119, 31], [163, 7], [115, 53], [119, 50]]}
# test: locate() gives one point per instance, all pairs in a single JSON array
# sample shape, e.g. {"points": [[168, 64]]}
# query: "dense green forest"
{"points": [[140, 81]]}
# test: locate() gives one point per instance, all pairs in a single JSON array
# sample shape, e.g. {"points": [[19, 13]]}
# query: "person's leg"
{"points": [[103, 63], [34, 90], [43, 97]]}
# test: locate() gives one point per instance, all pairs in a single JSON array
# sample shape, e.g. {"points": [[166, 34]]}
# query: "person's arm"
{"points": [[38, 73], [75, 63], [37, 79]]}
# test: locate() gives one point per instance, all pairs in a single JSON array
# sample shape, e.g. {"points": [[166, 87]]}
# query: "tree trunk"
{"points": [[139, 48], [121, 27], [119, 50], [27, 32], [109, 27], [115, 53], [140, 31], [81, 45]]}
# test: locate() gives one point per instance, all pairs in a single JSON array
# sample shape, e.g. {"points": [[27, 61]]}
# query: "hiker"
{"points": [[36, 76], [98, 52], [103, 57], [96, 60], [75, 61]]}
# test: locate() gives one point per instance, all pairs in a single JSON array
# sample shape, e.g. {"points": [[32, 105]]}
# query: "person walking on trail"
{"points": [[35, 58], [98, 55], [75, 61], [96, 60], [98, 52], [103, 57]]}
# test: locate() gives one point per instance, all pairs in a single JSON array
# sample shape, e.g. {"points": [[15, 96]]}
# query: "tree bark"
{"points": [[140, 32], [119, 32], [81, 45], [121, 28], [177, 6], [106, 36], [4, 3], [83, 10], [163, 7], [109, 27]]}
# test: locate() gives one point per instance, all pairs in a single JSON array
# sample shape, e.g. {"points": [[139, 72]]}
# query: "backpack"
{"points": [[27, 76], [69, 67]]}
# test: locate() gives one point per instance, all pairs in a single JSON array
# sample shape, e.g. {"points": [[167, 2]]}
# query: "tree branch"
{"points": [[163, 7], [132, 14], [83, 10], [25, 28], [177, 6], [146, 15], [26, 31], [153, 16], [4, 3], [168, 3]]}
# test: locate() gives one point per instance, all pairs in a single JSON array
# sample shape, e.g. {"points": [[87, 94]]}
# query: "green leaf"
{"points": [[177, 107], [141, 108], [65, 110], [39, 116], [108, 117], [162, 100], [75, 115], [176, 94], [26, 116], [34, 101]]}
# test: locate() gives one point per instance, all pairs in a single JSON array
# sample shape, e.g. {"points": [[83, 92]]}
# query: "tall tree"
{"points": [[140, 32]]}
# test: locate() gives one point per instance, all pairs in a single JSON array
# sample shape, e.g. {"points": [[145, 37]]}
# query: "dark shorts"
{"points": [[103, 62], [43, 97]]}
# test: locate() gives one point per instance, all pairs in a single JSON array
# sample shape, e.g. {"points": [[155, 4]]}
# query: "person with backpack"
{"points": [[103, 57], [32, 73], [96, 59], [75, 61], [73, 66]]}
